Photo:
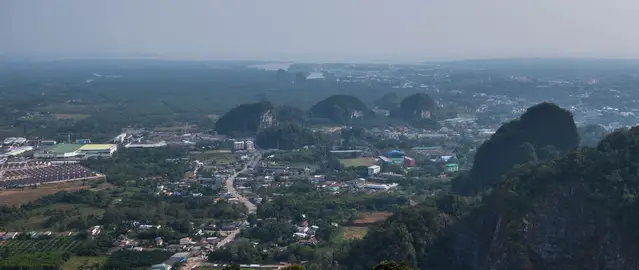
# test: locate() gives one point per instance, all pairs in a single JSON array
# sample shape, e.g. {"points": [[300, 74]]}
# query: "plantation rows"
{"points": [[62, 244]]}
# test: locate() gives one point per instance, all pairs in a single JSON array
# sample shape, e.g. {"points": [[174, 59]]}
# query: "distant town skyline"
{"points": [[328, 30]]}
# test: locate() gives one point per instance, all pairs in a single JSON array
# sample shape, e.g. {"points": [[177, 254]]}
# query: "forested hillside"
{"points": [[341, 109], [243, 119], [545, 131], [572, 212]]}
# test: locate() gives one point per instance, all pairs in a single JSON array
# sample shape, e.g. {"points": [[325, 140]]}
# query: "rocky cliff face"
{"points": [[564, 219], [558, 233]]}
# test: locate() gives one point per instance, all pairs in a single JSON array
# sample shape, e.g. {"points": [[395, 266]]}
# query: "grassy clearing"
{"points": [[356, 162], [38, 217], [81, 262], [352, 233]]}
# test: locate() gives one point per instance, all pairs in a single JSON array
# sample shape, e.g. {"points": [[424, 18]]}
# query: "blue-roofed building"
{"points": [[395, 154]]}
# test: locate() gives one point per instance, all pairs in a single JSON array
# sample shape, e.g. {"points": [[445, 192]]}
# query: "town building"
{"points": [[409, 162], [185, 241], [384, 160], [373, 170], [237, 146], [249, 146], [451, 167], [428, 150]]}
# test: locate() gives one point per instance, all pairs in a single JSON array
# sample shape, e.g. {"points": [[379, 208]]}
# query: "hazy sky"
{"points": [[323, 29]]}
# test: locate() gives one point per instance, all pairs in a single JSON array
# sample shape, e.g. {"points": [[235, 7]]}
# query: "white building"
{"points": [[249, 146], [238, 145], [19, 150], [98, 150], [373, 170], [145, 145], [20, 140], [380, 186]]}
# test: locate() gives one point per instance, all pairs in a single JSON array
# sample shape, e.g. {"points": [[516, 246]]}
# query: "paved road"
{"points": [[249, 205], [231, 189]]}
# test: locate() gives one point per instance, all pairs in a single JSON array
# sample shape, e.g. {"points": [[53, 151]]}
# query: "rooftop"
{"points": [[427, 148], [63, 148], [89, 147]]}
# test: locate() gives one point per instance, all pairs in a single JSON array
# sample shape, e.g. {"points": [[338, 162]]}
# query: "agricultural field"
{"points": [[20, 196], [81, 262], [353, 233], [356, 162], [359, 227], [370, 218], [59, 244]]}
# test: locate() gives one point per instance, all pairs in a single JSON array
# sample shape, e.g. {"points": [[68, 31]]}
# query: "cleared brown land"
{"points": [[352, 233], [20, 196], [370, 218]]}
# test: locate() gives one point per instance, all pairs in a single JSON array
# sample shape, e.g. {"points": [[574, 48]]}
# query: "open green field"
{"points": [[81, 262], [59, 244], [356, 162], [38, 217]]}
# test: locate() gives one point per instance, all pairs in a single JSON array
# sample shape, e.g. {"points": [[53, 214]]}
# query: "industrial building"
{"points": [[98, 150], [380, 186], [146, 145], [65, 150], [14, 140], [373, 170], [19, 150]]}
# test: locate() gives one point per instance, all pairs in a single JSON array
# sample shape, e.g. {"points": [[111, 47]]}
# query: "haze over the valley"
{"points": [[328, 30]]}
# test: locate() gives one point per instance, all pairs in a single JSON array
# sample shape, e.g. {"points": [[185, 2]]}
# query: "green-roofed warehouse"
{"points": [[62, 150]]}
